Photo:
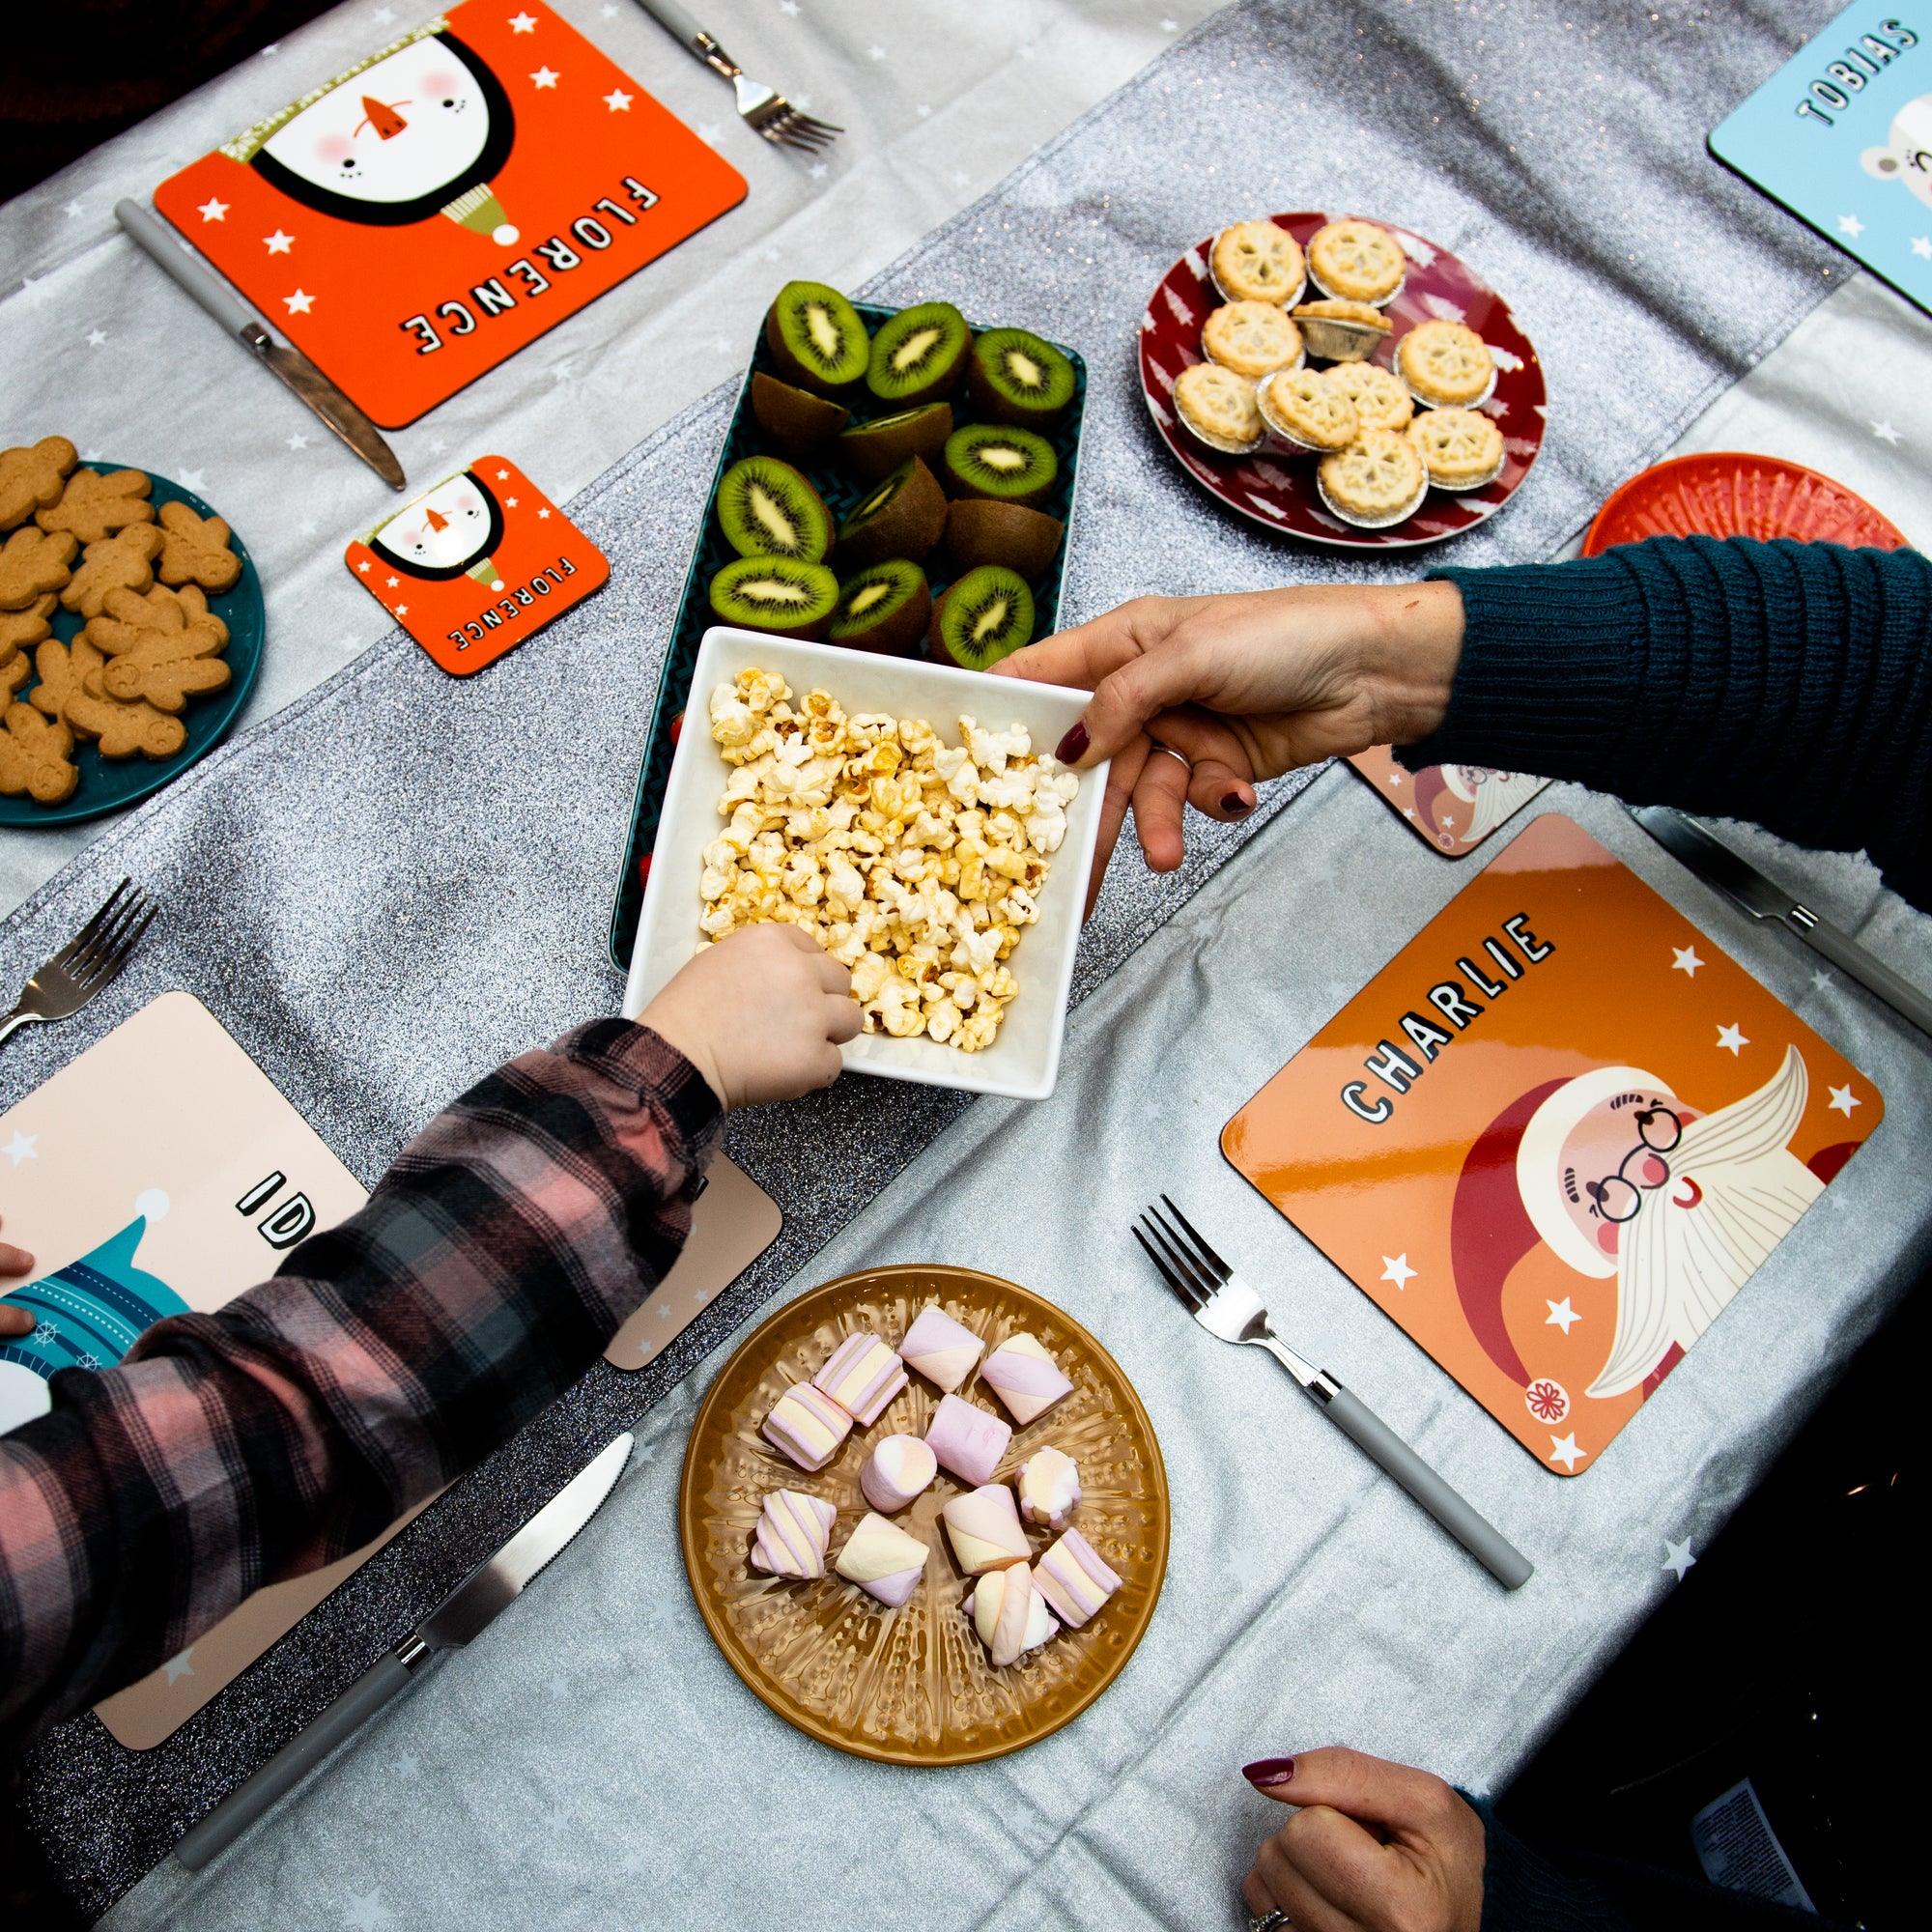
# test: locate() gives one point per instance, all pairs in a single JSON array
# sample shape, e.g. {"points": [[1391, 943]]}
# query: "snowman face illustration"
{"points": [[444, 533], [1907, 158], [397, 141]]}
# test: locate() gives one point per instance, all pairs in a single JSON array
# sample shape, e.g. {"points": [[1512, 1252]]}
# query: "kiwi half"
{"points": [[766, 508], [794, 418], [978, 530], [985, 617], [816, 337], [1017, 376], [901, 516], [885, 608], [776, 594], [878, 447], [1011, 466], [919, 354]]}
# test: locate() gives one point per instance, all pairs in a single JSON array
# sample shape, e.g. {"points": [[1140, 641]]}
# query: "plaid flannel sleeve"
{"points": [[488, 1270]]}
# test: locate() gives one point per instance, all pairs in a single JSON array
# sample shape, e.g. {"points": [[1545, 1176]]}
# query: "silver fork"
{"points": [[763, 108], [89, 960], [1231, 1311]]}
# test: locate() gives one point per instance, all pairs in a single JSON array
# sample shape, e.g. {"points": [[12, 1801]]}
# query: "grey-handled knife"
{"points": [[492, 1586], [1717, 865], [190, 272]]}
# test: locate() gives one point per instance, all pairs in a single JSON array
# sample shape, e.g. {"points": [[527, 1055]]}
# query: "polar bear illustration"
{"points": [[1908, 157]]}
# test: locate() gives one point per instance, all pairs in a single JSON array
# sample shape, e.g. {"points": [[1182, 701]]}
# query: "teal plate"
{"points": [[113, 784]]}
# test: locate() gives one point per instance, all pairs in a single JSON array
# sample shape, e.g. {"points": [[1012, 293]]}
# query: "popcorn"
{"points": [[916, 864]]}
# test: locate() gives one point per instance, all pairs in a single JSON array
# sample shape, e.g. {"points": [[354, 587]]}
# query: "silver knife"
{"points": [[1684, 837], [492, 1586], [189, 272]]}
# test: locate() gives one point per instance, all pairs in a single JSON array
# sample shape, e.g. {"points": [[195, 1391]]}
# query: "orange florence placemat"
{"points": [[417, 220], [1554, 1137]]}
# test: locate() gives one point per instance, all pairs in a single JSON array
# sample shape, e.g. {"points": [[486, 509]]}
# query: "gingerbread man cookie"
{"points": [[197, 550], [31, 564], [37, 756], [32, 478], [124, 561], [71, 689], [161, 647], [93, 506], [21, 630]]}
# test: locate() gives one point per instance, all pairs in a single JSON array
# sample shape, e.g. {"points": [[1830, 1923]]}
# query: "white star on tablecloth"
{"points": [[407, 1764], [817, 171], [708, 132], [192, 479], [1687, 961], [72, 208], [1563, 1449], [1820, 980], [96, 337], [1884, 433], [1396, 1268], [212, 209], [1850, 224], [1026, 53], [382, 15], [365, 1912], [1921, 244], [619, 102], [179, 1668], [1561, 1315], [876, 53], [609, 13], [437, 445], [297, 440], [1677, 1558], [306, 526], [278, 243], [1732, 1039], [299, 303], [789, 7], [523, 23], [546, 77], [960, 178], [800, 101], [21, 1147], [1169, 26], [923, 111], [1843, 1101]]}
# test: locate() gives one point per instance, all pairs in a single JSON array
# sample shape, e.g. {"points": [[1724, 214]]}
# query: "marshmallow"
{"points": [[880, 1557], [862, 1376], [807, 1426], [1009, 1614], [940, 1349], [985, 1529], [1022, 1374], [793, 1531], [1073, 1579], [1049, 1485], [897, 1470], [966, 1440]]}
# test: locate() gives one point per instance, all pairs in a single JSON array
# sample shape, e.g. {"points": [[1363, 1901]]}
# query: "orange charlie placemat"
{"points": [[476, 565], [1553, 1138], [1452, 807], [420, 218]]}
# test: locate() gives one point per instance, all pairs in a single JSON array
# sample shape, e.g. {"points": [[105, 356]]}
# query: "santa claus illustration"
{"points": [[1492, 796], [1619, 1177], [1907, 157], [449, 532]]}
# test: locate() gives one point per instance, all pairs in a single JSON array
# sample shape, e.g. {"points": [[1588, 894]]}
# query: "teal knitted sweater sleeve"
{"points": [[1785, 683]]}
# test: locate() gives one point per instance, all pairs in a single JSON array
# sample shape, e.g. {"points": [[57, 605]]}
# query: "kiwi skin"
{"points": [[876, 448], [794, 418], [909, 526], [894, 635], [812, 628], [979, 530], [801, 373], [937, 647]]}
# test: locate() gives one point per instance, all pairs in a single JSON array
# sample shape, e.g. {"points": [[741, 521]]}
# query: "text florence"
{"points": [[498, 296], [499, 614], [1456, 1002]]}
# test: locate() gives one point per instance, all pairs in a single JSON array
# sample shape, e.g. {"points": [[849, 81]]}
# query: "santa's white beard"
{"points": [[1677, 1266], [1498, 795]]}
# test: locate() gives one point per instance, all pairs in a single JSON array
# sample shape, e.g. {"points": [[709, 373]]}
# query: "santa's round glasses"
{"points": [[1616, 1196]]}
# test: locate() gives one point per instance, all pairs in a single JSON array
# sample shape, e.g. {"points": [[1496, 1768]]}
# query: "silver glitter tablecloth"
{"points": [[402, 880]]}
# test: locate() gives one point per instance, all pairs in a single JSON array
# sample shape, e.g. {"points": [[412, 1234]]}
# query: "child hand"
{"points": [[14, 1261], [761, 1014]]}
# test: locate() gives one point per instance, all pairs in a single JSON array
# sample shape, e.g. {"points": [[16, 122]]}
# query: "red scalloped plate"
{"points": [[1724, 492], [1275, 487]]}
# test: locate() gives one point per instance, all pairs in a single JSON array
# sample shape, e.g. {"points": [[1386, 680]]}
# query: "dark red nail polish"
{"points": [[1269, 1773], [1234, 803], [1072, 747]]}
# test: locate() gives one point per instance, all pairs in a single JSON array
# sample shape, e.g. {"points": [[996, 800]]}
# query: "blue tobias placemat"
{"points": [[1843, 135]]}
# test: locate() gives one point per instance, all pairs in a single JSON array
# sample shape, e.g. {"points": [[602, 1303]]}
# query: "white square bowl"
{"points": [[1024, 1060]]}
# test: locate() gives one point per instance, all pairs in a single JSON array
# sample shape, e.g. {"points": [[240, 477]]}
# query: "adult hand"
{"points": [[1244, 687], [15, 1262], [761, 1014], [1372, 1847]]}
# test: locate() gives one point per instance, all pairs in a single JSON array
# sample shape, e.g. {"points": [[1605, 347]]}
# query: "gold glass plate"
{"points": [[914, 1686]]}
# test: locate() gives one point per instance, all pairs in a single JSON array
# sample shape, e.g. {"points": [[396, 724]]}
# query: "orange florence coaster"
{"points": [[1452, 807], [476, 565], [1554, 1137], [414, 222]]}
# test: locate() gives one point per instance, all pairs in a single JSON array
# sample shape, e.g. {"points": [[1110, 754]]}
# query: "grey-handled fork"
{"points": [[89, 960], [1231, 1311], [764, 109]]}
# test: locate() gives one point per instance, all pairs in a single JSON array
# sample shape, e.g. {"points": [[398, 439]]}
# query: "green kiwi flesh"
{"points": [[1018, 378], [885, 608], [902, 516], [979, 530], [919, 354], [876, 448], [776, 594], [1011, 466], [794, 418], [816, 337], [766, 508], [985, 617]]}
